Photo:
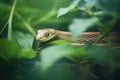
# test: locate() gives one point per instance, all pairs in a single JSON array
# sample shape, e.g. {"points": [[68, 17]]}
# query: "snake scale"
{"points": [[44, 35]]}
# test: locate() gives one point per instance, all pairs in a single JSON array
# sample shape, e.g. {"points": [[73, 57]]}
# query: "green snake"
{"points": [[44, 35]]}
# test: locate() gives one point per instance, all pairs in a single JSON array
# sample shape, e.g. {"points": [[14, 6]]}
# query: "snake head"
{"points": [[43, 35]]}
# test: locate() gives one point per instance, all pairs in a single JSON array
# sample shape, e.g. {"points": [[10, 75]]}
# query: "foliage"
{"points": [[7, 52], [76, 30], [57, 60]]}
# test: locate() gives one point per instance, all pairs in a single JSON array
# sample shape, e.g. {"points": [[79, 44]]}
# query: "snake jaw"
{"points": [[45, 34]]}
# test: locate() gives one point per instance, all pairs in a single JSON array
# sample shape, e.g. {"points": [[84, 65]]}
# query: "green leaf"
{"points": [[53, 53], [102, 55], [68, 72], [8, 49], [99, 53], [90, 3], [63, 11], [58, 42], [86, 3], [24, 40], [110, 5], [27, 54], [80, 25]]}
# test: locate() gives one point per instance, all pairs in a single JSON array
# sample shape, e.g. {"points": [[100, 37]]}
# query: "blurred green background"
{"points": [[19, 21]]}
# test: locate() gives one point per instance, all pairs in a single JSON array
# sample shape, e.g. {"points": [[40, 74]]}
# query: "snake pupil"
{"points": [[47, 34]]}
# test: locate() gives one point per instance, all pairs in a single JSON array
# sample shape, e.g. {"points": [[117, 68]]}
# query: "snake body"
{"points": [[44, 35]]}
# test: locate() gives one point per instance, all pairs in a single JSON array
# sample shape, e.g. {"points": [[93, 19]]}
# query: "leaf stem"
{"points": [[27, 25], [50, 14]]}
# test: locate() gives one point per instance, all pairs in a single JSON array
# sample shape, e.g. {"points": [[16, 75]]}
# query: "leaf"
{"points": [[27, 54], [24, 40], [58, 42], [103, 55], [53, 53], [8, 49], [90, 3], [110, 5], [83, 4], [61, 72], [63, 11], [80, 25]]}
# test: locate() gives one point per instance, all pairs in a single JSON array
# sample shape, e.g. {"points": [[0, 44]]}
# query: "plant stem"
{"points": [[109, 26], [4, 27], [10, 21]]}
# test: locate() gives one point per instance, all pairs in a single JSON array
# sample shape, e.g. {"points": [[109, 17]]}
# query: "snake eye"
{"points": [[47, 34]]}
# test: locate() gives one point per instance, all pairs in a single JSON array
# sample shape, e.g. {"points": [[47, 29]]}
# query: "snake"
{"points": [[45, 35]]}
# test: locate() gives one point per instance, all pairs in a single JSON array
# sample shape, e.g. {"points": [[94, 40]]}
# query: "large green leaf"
{"points": [[24, 40], [51, 54], [80, 25]]}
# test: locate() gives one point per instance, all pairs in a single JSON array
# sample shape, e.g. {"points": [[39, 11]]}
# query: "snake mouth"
{"points": [[44, 38], [41, 38]]}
